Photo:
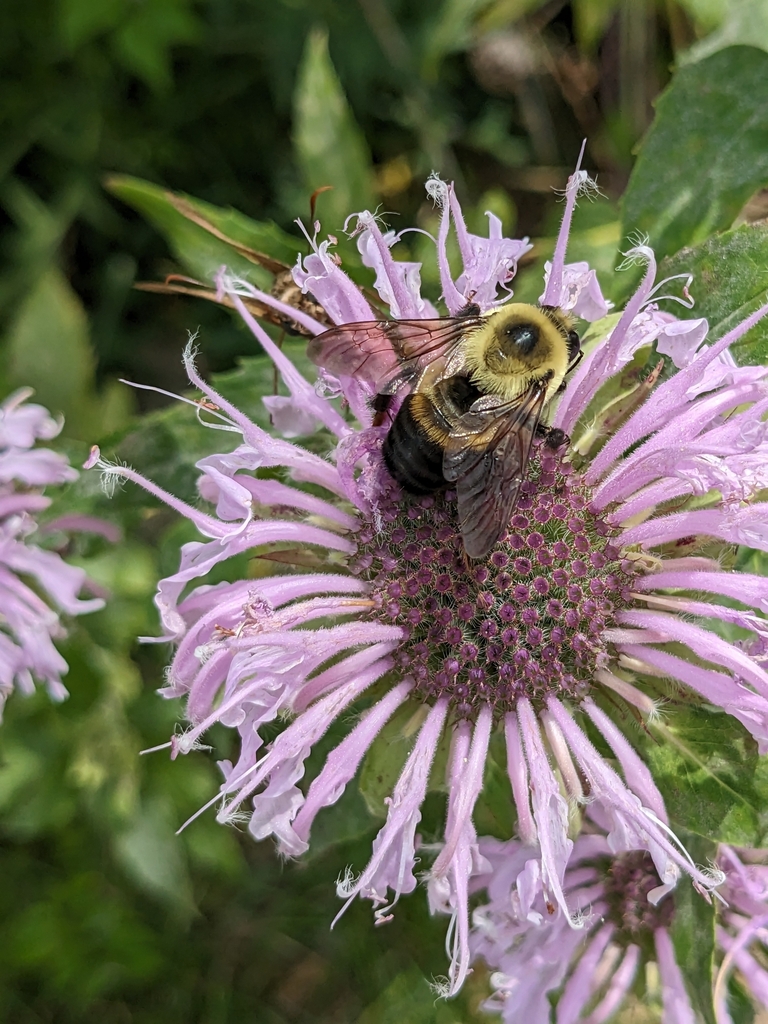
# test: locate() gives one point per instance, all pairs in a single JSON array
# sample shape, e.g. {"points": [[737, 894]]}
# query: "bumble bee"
{"points": [[478, 385]]}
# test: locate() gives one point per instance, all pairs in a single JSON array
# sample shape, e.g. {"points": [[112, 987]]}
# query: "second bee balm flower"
{"points": [[588, 594]]}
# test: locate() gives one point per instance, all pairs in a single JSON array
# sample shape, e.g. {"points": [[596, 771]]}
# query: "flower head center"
{"points": [[527, 621], [629, 879]]}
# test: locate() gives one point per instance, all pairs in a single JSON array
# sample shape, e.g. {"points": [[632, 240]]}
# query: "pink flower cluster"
{"points": [[603, 593], [36, 584], [537, 959]]}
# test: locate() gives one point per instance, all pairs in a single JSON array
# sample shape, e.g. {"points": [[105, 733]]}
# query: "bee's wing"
{"points": [[380, 350], [486, 455]]}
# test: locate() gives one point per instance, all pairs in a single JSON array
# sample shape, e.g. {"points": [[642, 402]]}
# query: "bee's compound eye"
{"points": [[523, 336]]}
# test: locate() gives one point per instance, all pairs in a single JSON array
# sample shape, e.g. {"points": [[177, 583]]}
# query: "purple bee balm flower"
{"points": [[35, 584], [539, 961], [575, 608]]}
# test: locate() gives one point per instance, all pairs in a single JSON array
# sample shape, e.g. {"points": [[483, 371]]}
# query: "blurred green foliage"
{"points": [[107, 915]]}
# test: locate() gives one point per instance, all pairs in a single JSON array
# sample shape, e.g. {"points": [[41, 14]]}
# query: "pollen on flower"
{"points": [[529, 621]]}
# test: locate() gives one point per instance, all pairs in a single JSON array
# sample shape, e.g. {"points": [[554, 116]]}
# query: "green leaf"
{"points": [[707, 768], [49, 348], [705, 153], [693, 932], [143, 43], [330, 146], [387, 755], [200, 252], [737, 21], [740, 1005], [81, 20], [450, 32], [730, 280], [494, 813], [591, 19], [151, 853], [410, 998]]}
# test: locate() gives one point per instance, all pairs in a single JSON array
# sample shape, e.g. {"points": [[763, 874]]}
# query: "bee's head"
{"points": [[564, 324], [520, 337], [519, 343]]}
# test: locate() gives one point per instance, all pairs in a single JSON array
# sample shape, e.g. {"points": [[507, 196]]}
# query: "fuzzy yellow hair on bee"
{"points": [[517, 344]]}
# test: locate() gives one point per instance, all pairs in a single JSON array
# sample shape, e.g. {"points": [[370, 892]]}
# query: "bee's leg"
{"points": [[571, 366], [380, 404], [556, 438], [553, 437], [471, 309], [467, 560]]}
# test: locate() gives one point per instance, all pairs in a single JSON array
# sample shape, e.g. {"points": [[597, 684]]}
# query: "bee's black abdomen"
{"points": [[415, 461]]}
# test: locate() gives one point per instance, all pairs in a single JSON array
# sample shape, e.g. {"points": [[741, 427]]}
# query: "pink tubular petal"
{"points": [[207, 525], [580, 291], [77, 523], [517, 770], [339, 296], [747, 526], [647, 498], [705, 643], [619, 985], [550, 810], [325, 681], [612, 355], [744, 587], [751, 709], [665, 402], [284, 764], [634, 826], [562, 757], [439, 192], [342, 764], [706, 610], [460, 858], [246, 458], [394, 849], [677, 1005], [27, 501], [397, 282], [289, 416], [636, 773], [466, 782], [300, 389], [489, 263], [578, 990], [553, 292]]}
